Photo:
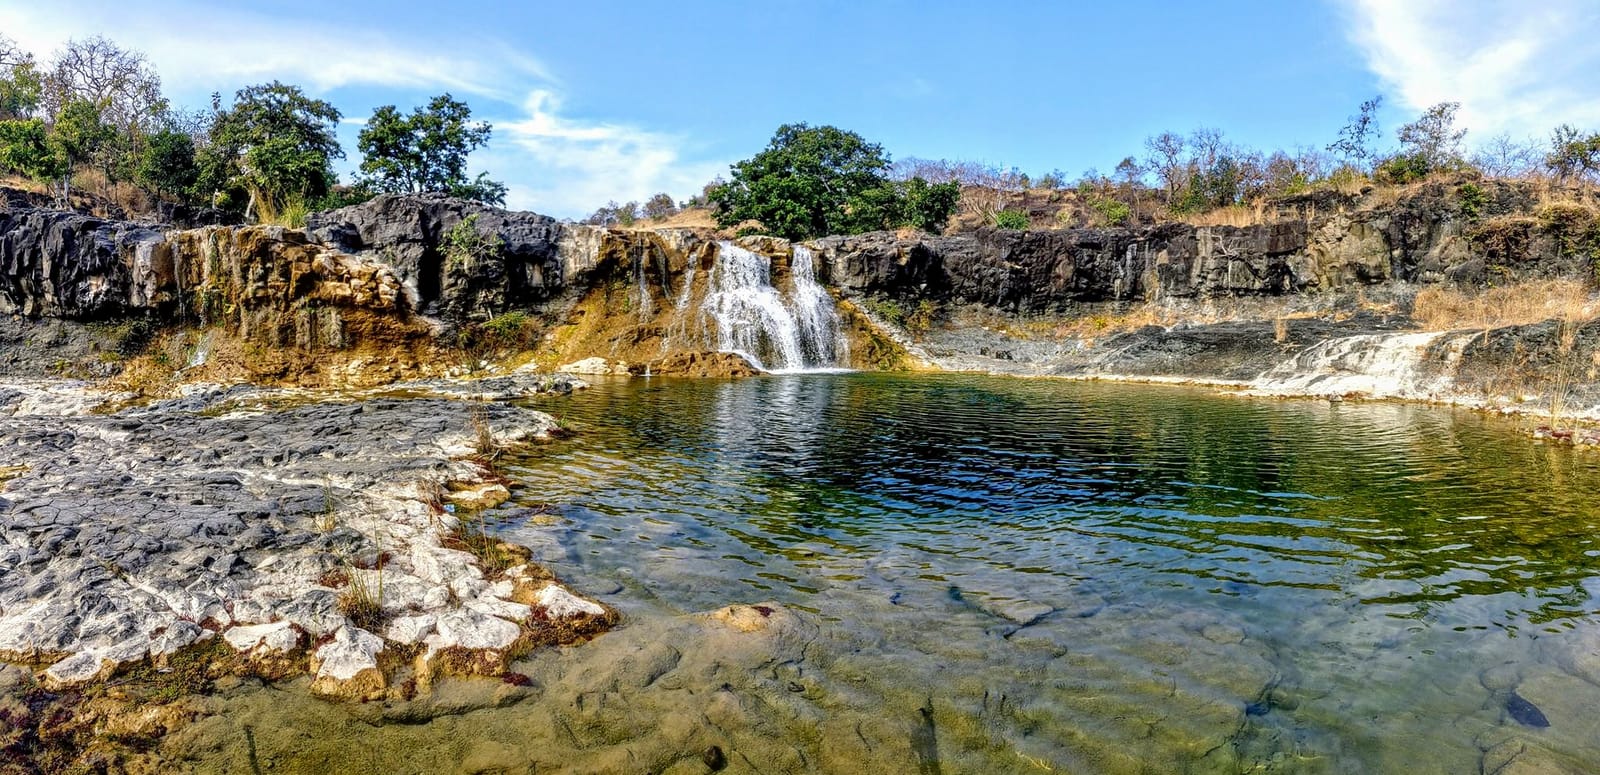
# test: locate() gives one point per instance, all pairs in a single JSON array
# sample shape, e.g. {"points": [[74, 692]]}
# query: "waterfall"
{"points": [[678, 324], [1400, 365], [752, 318]]}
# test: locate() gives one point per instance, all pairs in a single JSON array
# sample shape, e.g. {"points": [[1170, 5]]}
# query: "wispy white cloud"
{"points": [[552, 162], [1518, 67], [589, 163], [218, 47]]}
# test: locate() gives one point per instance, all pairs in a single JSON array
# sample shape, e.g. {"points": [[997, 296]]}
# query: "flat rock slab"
{"points": [[232, 510]]}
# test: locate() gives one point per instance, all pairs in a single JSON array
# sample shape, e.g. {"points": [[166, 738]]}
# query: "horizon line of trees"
{"points": [[1184, 174], [95, 112], [813, 181]]}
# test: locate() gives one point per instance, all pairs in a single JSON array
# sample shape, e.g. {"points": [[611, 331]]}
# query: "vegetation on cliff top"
{"points": [[815, 181], [94, 116]]}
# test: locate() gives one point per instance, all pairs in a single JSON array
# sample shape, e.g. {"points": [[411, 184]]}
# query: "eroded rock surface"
{"points": [[251, 515]]}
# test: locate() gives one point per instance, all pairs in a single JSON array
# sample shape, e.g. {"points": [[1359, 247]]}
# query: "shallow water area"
{"points": [[980, 574], [1136, 573]]}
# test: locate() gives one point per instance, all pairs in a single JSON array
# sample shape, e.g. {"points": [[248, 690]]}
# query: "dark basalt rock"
{"points": [[66, 265], [408, 232], [1325, 241]]}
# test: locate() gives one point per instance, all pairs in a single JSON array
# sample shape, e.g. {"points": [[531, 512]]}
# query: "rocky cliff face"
{"points": [[1325, 242], [384, 272]]}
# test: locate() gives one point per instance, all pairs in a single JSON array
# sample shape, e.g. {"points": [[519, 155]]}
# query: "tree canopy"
{"points": [[814, 181], [426, 151], [275, 145]]}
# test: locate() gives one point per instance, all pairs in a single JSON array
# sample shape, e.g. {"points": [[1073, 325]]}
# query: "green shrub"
{"points": [[464, 247], [511, 330], [888, 310], [1402, 169], [1110, 212], [1471, 198], [921, 320], [1011, 219]]}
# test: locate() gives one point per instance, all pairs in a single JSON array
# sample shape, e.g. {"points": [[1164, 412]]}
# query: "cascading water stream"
{"points": [[752, 318]]}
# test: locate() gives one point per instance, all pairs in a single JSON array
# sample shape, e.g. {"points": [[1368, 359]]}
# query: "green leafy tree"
{"points": [[803, 184], [25, 149], [928, 205], [20, 84], [1573, 154], [78, 136], [275, 145], [167, 165], [426, 151], [814, 181], [481, 189]]}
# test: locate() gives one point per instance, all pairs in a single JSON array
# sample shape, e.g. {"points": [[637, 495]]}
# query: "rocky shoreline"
{"points": [[267, 519]]}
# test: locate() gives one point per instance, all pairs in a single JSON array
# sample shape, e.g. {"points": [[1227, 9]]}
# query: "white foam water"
{"points": [[775, 332]]}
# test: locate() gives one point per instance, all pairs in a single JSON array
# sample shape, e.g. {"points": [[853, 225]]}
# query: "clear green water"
{"points": [[1094, 577]]}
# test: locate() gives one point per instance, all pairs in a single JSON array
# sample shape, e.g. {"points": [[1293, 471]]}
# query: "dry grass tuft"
{"points": [[1252, 214], [1443, 309], [362, 602]]}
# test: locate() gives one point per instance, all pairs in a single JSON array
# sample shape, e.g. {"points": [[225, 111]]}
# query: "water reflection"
{"points": [[1349, 541]]}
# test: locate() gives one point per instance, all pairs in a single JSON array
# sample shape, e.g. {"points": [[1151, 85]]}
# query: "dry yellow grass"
{"points": [[692, 218], [1443, 309], [1234, 215]]}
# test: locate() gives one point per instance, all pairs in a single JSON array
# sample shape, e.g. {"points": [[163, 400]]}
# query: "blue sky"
{"points": [[598, 101]]}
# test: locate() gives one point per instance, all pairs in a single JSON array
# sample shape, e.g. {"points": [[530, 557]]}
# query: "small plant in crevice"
{"points": [[474, 535], [486, 449], [464, 247], [362, 599], [328, 519], [1471, 198], [362, 602]]}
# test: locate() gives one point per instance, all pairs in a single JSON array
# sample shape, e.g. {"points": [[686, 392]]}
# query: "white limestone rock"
{"points": [[273, 636], [558, 603]]}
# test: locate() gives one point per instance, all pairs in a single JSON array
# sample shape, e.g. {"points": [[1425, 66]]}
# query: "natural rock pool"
{"points": [[991, 575], [1097, 577]]}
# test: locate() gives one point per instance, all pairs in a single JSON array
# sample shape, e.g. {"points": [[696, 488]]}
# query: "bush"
{"points": [[464, 247], [513, 330], [1471, 198], [1402, 169], [1015, 220], [25, 150], [927, 206], [1110, 212]]}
